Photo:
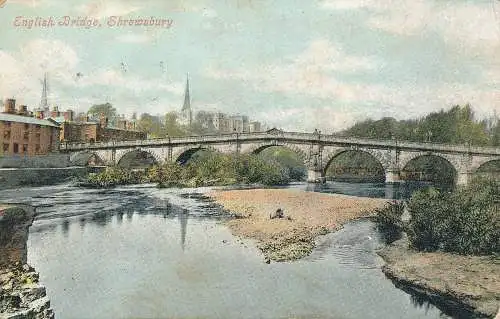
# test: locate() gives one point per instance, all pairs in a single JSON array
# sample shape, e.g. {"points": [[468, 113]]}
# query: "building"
{"points": [[22, 134], [91, 132], [254, 127]]}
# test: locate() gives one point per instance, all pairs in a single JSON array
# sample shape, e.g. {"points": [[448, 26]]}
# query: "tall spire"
{"points": [[44, 105], [186, 107]]}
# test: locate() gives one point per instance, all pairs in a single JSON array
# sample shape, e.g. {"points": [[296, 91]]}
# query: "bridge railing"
{"points": [[290, 136]]}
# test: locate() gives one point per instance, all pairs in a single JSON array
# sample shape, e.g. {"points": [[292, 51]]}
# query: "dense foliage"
{"points": [[455, 126], [288, 159], [389, 220], [466, 221], [206, 170]]}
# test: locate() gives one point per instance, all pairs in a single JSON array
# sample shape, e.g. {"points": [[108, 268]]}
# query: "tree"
{"points": [[105, 109], [151, 125], [172, 127]]}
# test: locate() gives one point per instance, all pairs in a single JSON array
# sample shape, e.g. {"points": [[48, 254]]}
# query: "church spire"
{"points": [[186, 107]]}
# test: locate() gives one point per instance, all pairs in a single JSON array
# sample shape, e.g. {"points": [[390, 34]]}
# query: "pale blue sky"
{"points": [[292, 64]]}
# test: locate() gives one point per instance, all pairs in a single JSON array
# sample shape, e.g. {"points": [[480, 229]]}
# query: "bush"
{"points": [[466, 221], [207, 170], [389, 220]]}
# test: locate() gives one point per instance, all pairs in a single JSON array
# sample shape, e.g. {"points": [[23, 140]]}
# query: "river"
{"points": [[142, 252]]}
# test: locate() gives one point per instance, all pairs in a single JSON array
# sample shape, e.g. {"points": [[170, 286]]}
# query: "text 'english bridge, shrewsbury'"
{"points": [[316, 150]]}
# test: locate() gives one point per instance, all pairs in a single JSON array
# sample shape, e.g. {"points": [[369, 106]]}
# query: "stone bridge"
{"points": [[315, 150]]}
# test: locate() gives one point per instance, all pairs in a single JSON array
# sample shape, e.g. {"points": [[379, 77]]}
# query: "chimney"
{"points": [[23, 110], [10, 106]]}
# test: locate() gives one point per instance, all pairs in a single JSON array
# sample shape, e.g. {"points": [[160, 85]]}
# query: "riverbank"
{"points": [[472, 281], [16, 177], [307, 215], [21, 295]]}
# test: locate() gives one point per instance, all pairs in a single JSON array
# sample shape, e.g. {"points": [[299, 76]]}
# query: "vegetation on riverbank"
{"points": [[450, 245], [465, 221], [208, 170]]}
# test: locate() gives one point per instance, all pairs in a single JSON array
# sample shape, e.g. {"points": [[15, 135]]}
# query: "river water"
{"points": [[142, 252]]}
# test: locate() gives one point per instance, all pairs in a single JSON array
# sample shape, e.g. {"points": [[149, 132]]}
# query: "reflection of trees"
{"points": [[101, 218], [446, 306]]}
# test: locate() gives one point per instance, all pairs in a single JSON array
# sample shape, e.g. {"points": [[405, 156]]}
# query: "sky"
{"points": [[295, 65]]}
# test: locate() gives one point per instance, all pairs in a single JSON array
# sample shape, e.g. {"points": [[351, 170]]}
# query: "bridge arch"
{"points": [[257, 148], [381, 166], [126, 157], [432, 161], [87, 158], [480, 164], [184, 154]]}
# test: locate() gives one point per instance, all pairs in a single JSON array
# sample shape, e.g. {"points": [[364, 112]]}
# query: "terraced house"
{"points": [[22, 134]]}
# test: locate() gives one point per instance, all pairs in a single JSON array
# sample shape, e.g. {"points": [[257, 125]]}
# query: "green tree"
{"points": [[172, 127], [105, 109], [151, 125]]}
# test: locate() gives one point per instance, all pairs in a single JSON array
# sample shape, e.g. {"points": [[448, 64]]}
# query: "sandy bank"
{"points": [[470, 280], [312, 214]]}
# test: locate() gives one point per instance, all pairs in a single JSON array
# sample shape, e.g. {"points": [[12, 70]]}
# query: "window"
{"points": [[16, 148], [6, 135], [6, 147], [37, 126], [37, 148], [26, 135], [26, 126], [25, 148], [7, 124]]}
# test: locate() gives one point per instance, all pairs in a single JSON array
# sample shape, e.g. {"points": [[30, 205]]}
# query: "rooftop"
{"points": [[7, 117]]}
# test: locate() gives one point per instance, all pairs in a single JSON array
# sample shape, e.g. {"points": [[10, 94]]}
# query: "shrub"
{"points": [[466, 221], [389, 220], [209, 169]]}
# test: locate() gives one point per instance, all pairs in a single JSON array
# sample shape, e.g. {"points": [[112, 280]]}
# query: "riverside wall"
{"points": [[21, 294]]}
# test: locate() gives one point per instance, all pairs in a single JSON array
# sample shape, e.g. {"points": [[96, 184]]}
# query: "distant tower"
{"points": [[186, 112], [44, 104]]}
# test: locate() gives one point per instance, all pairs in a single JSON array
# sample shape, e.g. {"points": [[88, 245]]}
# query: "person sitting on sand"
{"points": [[278, 214]]}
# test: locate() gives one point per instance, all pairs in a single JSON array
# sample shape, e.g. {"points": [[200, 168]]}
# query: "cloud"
{"points": [[310, 73], [102, 8], [22, 73], [32, 3], [467, 28], [318, 72], [130, 82]]}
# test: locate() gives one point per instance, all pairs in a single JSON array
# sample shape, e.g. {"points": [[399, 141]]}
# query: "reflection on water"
{"points": [[375, 190], [128, 253]]}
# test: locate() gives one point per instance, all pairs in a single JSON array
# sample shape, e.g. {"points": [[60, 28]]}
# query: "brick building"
{"points": [[22, 134], [90, 132]]}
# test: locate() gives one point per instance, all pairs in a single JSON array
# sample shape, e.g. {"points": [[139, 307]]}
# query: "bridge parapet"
{"points": [[293, 137]]}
